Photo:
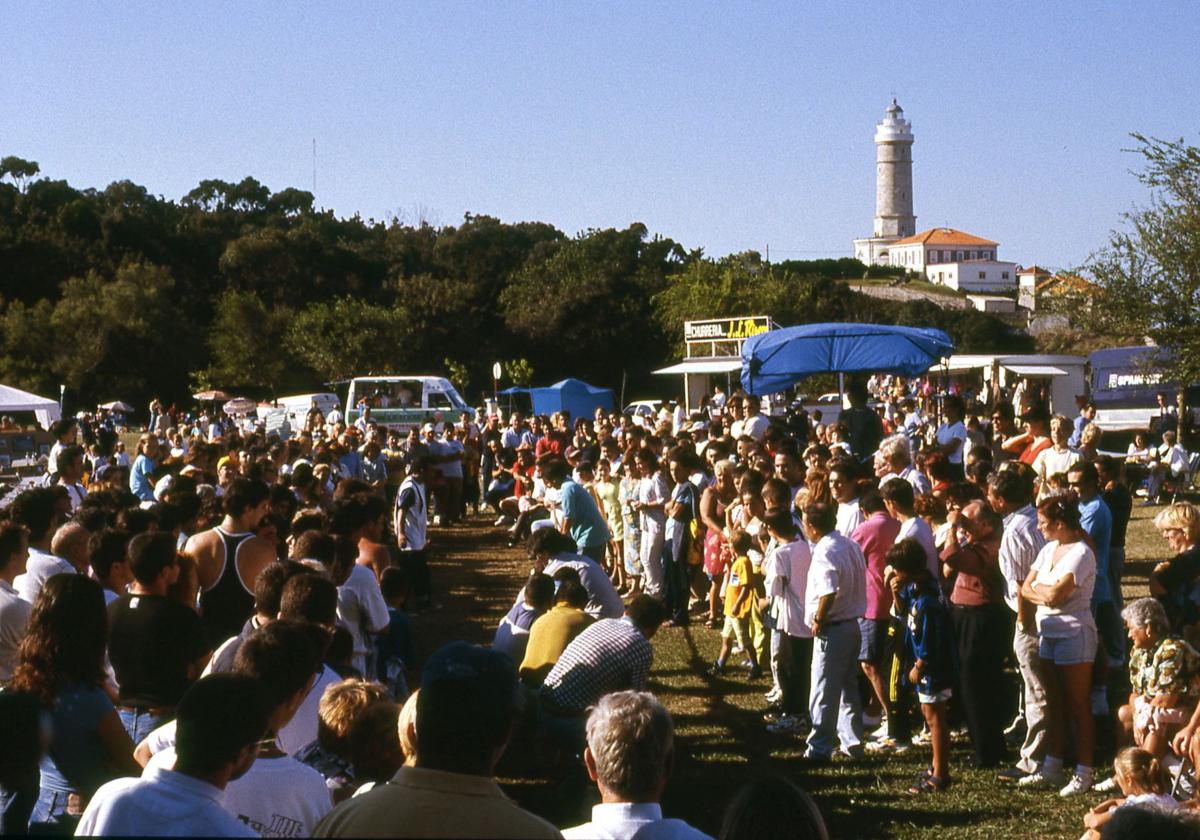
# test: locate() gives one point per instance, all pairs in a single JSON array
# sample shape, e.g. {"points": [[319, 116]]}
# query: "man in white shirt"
{"points": [[1172, 464], [219, 721], [785, 577], [1009, 494], [67, 555], [896, 452], [629, 755], [755, 425], [14, 610], [410, 523], [835, 599], [899, 500], [842, 476], [278, 795]]}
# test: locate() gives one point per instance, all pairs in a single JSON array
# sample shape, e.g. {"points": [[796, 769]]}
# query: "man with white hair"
{"points": [[630, 754], [896, 452]]}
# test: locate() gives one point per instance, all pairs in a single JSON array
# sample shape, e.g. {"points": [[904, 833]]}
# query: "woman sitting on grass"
{"points": [[1142, 780], [928, 652]]}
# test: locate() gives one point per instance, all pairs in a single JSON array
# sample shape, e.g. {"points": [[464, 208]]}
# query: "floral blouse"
{"points": [[1170, 667]]}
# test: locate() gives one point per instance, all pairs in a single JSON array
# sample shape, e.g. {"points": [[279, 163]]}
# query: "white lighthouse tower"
{"points": [[894, 217]]}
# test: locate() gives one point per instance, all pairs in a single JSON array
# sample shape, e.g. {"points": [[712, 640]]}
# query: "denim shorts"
{"points": [[874, 639], [1070, 650]]}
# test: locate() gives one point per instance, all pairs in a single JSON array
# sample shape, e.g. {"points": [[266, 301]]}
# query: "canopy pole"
{"points": [[841, 389]]}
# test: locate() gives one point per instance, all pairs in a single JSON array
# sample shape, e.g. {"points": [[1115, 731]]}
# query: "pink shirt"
{"points": [[875, 536]]}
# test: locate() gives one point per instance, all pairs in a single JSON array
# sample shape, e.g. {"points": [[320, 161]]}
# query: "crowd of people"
{"points": [[212, 636]]}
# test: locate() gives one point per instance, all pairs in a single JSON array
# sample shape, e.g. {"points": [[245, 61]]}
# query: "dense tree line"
{"points": [[117, 293]]}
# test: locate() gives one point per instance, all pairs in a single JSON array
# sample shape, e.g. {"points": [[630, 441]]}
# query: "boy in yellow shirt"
{"points": [[739, 604]]}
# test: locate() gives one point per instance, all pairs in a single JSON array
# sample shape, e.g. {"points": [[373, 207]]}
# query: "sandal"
{"points": [[929, 784]]}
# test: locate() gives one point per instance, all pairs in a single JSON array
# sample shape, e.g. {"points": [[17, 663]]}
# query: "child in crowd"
{"points": [[394, 646], [513, 633], [929, 652], [356, 722], [1142, 780], [739, 604]]}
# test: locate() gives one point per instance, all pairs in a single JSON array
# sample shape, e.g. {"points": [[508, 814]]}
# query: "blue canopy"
{"points": [[774, 360], [571, 395]]}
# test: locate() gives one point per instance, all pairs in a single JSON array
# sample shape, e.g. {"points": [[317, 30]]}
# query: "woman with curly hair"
{"points": [[61, 663]]}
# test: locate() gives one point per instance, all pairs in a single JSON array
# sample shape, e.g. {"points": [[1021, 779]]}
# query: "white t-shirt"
{"points": [[1051, 462], [949, 432], [919, 530], [301, 730], [416, 515], [756, 427], [361, 610], [785, 577], [849, 517], [838, 567], [603, 599], [277, 797], [1075, 613]]}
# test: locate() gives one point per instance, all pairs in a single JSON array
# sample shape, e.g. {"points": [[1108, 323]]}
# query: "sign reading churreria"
{"points": [[726, 329]]}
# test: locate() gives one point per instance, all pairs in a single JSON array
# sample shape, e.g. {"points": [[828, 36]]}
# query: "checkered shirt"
{"points": [[611, 655]]}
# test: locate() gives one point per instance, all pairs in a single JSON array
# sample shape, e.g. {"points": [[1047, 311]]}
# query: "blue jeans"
{"points": [[834, 702], [50, 814], [140, 723]]}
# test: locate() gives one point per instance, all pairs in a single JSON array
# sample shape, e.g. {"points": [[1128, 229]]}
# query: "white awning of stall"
{"points": [[1035, 370], [702, 366]]}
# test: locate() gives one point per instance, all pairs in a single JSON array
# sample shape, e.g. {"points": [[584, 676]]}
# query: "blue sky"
{"points": [[727, 126]]}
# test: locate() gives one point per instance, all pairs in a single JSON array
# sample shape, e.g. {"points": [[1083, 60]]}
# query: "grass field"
{"points": [[722, 742]]}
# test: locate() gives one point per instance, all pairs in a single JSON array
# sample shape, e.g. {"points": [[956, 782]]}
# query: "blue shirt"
{"points": [[77, 760], [140, 483], [927, 636], [1076, 437], [587, 524], [1096, 519], [352, 464]]}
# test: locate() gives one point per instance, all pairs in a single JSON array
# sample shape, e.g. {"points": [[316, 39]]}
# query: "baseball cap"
{"points": [[486, 676], [225, 459]]}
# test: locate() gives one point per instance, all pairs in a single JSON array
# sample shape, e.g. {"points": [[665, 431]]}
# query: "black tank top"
{"points": [[225, 608]]}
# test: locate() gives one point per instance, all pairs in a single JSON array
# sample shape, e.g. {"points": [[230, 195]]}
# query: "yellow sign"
{"points": [[726, 329]]}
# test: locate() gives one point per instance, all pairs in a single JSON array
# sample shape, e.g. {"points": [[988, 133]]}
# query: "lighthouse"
{"points": [[894, 217]]}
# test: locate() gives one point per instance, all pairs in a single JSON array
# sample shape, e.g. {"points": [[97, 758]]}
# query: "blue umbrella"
{"points": [[774, 360]]}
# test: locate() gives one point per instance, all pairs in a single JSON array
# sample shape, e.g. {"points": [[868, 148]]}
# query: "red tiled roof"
{"points": [[944, 236]]}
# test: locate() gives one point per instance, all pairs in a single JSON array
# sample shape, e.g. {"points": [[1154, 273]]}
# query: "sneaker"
{"points": [[1041, 778], [1078, 784], [774, 695], [887, 745], [1107, 786], [878, 734], [786, 725], [1011, 774], [923, 738]]}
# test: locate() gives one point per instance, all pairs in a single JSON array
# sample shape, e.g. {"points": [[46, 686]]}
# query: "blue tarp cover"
{"points": [[775, 360], [571, 395]]}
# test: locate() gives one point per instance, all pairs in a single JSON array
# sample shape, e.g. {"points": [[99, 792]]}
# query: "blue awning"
{"points": [[775, 360]]}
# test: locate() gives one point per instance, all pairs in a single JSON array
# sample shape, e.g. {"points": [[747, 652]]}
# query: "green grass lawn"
{"points": [[722, 742]]}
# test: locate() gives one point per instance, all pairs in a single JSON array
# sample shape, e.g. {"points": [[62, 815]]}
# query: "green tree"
{"points": [[25, 338], [348, 337], [246, 340], [1149, 273]]}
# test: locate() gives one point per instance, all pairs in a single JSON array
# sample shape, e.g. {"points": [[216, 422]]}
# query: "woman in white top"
{"points": [[1060, 584], [1056, 458], [650, 504], [951, 435]]}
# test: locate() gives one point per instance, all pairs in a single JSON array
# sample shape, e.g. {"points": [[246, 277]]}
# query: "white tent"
{"points": [[14, 399]]}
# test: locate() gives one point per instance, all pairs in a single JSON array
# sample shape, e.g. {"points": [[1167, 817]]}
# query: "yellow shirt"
{"points": [[548, 638], [740, 574]]}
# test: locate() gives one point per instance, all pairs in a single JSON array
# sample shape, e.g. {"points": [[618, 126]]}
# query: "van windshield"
{"points": [[403, 393]]}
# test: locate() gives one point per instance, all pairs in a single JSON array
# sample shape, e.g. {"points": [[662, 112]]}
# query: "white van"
{"points": [[298, 406], [401, 402]]}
